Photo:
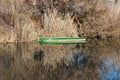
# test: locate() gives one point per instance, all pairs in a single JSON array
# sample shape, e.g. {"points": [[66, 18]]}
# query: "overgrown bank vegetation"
{"points": [[27, 20]]}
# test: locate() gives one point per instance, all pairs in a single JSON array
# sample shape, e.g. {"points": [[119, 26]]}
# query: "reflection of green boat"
{"points": [[63, 40]]}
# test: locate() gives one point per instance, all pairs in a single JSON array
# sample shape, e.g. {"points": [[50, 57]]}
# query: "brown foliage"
{"points": [[37, 19]]}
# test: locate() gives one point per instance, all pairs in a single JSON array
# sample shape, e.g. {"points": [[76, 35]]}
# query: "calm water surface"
{"points": [[96, 60]]}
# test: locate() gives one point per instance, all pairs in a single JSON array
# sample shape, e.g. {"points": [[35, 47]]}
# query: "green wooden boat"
{"points": [[62, 40]]}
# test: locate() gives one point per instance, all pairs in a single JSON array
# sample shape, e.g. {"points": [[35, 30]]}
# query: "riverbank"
{"points": [[26, 21]]}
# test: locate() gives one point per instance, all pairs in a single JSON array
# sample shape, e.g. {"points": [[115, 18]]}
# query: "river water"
{"points": [[95, 60]]}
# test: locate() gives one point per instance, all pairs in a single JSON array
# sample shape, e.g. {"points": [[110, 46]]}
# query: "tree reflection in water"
{"points": [[96, 60]]}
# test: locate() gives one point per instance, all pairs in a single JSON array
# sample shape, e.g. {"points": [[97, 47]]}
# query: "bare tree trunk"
{"points": [[45, 20], [18, 29]]}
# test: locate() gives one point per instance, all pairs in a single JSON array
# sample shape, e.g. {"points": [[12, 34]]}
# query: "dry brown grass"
{"points": [[26, 28], [114, 12], [112, 21], [100, 19], [58, 27]]}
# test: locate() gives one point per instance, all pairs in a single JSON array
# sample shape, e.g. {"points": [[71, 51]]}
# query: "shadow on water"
{"points": [[96, 60]]}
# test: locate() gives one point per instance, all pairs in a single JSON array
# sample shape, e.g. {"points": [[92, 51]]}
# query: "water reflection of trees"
{"points": [[46, 62], [20, 59]]}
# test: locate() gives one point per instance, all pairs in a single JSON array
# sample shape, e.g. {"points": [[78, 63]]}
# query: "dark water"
{"points": [[96, 60]]}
